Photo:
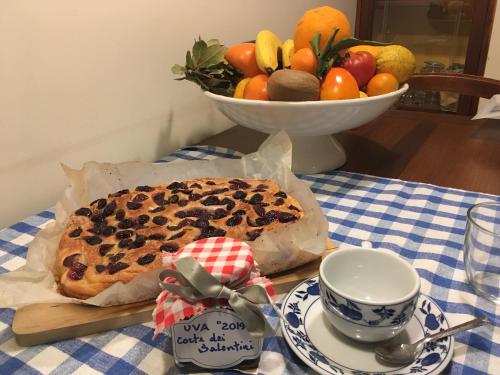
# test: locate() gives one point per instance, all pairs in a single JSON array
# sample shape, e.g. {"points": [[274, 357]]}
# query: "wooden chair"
{"points": [[464, 84]]}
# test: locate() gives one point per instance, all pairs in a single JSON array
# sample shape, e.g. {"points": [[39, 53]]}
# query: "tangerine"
{"points": [[374, 50], [381, 83], [305, 59], [323, 20], [256, 88]]}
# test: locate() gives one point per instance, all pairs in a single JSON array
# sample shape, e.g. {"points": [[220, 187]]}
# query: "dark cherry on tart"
{"points": [[116, 238]]}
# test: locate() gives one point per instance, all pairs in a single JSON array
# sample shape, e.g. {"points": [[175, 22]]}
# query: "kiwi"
{"points": [[293, 86]]}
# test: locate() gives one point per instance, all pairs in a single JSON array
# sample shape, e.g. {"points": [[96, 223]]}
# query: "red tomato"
{"points": [[339, 84], [361, 65]]}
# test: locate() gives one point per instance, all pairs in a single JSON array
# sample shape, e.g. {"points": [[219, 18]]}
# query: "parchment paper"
{"points": [[274, 251], [490, 110]]}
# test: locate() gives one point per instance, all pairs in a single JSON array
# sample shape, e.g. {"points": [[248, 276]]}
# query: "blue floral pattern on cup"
{"points": [[298, 302], [365, 314]]}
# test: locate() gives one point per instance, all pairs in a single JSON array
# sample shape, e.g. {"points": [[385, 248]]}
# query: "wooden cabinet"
{"points": [[445, 35]]}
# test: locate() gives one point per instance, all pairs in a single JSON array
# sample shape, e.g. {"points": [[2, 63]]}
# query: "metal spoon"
{"points": [[407, 353]]}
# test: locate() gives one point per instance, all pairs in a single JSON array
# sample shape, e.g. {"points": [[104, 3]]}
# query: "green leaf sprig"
{"points": [[205, 65], [330, 53]]}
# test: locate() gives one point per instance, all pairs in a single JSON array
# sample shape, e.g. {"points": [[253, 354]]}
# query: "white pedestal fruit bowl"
{"points": [[310, 125]]}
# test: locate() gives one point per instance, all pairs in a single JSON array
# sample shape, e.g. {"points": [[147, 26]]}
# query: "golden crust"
{"points": [[121, 236]]}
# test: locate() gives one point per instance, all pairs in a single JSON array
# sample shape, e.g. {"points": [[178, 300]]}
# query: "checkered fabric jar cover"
{"points": [[227, 259]]}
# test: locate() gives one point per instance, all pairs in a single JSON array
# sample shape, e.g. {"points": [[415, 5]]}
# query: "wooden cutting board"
{"points": [[42, 323]]}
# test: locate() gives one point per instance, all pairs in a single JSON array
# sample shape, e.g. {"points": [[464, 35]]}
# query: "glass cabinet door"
{"points": [[441, 33]]}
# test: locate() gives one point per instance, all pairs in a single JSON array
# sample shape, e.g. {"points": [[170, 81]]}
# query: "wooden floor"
{"points": [[436, 148]]}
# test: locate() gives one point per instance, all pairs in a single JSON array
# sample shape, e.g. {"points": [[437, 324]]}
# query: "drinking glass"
{"points": [[482, 249]]}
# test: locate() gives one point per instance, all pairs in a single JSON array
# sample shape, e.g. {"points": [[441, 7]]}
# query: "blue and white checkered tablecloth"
{"points": [[423, 223]]}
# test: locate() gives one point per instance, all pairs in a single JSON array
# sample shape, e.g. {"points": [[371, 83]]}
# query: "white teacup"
{"points": [[369, 295]]}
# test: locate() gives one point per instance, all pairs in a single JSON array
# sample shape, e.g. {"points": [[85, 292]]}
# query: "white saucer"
{"points": [[327, 351]]}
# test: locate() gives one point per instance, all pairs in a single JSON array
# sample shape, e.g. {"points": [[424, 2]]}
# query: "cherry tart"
{"points": [[119, 237]]}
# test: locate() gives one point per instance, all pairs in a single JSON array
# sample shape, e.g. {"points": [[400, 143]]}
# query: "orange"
{"points": [[256, 88], [323, 20], [305, 59], [381, 83], [339, 84], [242, 57]]}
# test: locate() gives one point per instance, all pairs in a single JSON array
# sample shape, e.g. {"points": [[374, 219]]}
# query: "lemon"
{"points": [[240, 88], [396, 60]]}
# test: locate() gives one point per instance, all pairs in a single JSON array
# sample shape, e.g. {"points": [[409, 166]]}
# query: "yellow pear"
{"points": [[396, 60]]}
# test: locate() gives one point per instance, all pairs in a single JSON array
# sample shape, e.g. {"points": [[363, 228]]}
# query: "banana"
{"points": [[267, 46], [287, 50]]}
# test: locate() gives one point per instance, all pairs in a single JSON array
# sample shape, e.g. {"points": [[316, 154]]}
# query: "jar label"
{"points": [[215, 339]]}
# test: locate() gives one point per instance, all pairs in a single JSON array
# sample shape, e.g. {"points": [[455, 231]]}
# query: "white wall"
{"points": [[492, 69], [90, 80], [493, 61]]}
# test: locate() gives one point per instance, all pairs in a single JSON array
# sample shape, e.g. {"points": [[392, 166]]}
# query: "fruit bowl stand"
{"points": [[310, 125]]}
